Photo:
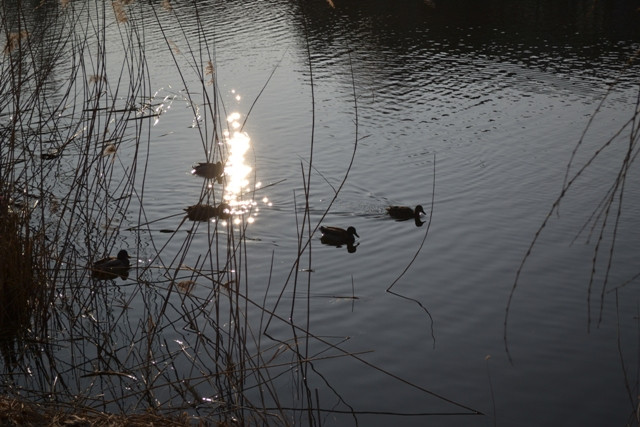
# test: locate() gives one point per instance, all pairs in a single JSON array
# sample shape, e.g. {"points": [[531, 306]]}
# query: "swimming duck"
{"points": [[114, 265], [403, 213], [202, 212], [338, 236], [209, 170]]}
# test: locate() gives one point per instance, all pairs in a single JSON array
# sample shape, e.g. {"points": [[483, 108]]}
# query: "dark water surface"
{"points": [[489, 100]]}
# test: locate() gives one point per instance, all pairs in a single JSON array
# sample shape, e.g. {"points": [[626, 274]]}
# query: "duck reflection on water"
{"points": [[204, 212]]}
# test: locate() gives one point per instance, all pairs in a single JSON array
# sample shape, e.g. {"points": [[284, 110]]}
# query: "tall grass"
{"points": [[23, 285]]}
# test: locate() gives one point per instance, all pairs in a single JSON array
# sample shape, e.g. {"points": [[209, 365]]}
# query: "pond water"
{"points": [[473, 112]]}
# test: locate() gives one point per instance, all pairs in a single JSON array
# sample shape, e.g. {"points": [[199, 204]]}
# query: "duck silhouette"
{"points": [[337, 236], [209, 170], [403, 213], [112, 267]]}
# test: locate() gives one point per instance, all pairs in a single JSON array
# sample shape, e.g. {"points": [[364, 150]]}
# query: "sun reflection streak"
{"points": [[236, 170]]}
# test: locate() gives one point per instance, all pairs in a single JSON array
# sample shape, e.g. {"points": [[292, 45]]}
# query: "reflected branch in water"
{"points": [[416, 213], [611, 204], [255, 101], [302, 246], [345, 353]]}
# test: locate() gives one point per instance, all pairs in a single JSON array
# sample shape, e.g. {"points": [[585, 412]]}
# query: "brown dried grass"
{"points": [[118, 9], [13, 41], [14, 412], [21, 276]]}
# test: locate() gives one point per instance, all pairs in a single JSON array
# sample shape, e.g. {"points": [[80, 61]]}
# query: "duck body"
{"points": [[403, 213], [112, 267], [338, 236], [203, 212], [209, 170]]}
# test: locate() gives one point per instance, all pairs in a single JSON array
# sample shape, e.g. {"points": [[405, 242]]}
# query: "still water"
{"points": [[474, 113]]}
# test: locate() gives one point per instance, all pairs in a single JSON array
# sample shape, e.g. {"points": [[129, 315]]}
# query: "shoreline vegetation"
{"points": [[21, 412]]}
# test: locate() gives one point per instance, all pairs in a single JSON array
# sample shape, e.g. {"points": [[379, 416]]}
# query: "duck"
{"points": [[205, 212], [113, 265], [403, 213], [337, 236], [209, 170]]}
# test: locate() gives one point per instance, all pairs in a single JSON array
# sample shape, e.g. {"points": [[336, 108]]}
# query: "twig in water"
{"points": [[433, 195]]}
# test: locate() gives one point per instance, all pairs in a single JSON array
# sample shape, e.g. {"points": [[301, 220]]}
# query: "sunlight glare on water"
{"points": [[237, 170]]}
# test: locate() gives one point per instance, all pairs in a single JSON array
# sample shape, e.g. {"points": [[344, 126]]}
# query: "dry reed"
{"points": [[20, 412], [14, 40], [22, 272], [118, 10]]}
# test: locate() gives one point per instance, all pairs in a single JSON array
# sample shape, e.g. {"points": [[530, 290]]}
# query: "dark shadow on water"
{"points": [[351, 247], [110, 275], [205, 212]]}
